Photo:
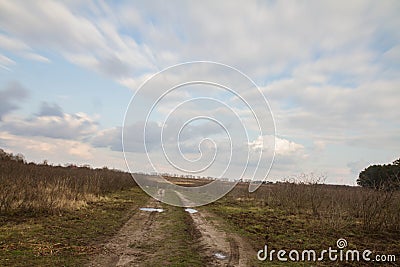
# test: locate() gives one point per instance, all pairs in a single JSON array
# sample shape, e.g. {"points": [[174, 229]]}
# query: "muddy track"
{"points": [[135, 243], [220, 248], [124, 248], [234, 253]]}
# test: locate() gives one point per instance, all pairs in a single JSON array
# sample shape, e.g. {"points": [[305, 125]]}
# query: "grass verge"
{"points": [[68, 238], [178, 245], [282, 230]]}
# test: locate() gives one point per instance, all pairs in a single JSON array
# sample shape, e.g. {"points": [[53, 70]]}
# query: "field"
{"points": [[78, 216], [298, 216]]}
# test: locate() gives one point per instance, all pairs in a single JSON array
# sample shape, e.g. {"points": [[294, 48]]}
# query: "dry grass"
{"points": [[69, 238], [43, 188], [310, 215], [330, 204]]}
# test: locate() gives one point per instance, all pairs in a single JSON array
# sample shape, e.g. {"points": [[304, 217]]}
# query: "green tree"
{"points": [[381, 176]]}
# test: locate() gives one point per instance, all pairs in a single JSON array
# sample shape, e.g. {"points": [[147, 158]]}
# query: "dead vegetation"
{"points": [[299, 214], [333, 205], [43, 188]]}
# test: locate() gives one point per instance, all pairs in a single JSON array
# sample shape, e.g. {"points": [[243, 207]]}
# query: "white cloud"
{"points": [[20, 48], [89, 41], [329, 70], [286, 147], [64, 126], [40, 148], [9, 43], [282, 146], [111, 138], [36, 57], [61, 151], [6, 62]]}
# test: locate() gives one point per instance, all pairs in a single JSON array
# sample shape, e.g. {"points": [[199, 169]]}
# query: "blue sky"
{"points": [[330, 72]]}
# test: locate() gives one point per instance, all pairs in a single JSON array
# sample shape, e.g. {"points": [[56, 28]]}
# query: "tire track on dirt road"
{"points": [[126, 247], [151, 239], [220, 248]]}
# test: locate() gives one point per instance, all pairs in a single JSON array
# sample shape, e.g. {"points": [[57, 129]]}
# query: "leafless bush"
{"points": [[31, 187], [375, 208], [314, 191], [289, 196], [301, 193], [334, 206]]}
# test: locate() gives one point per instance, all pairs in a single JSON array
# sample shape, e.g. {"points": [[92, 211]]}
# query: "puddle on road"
{"points": [[220, 256], [191, 211], [152, 209]]}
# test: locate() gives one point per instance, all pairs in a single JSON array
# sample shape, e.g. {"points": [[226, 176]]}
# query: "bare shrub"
{"points": [[302, 193], [44, 188], [333, 206], [375, 208], [314, 191]]}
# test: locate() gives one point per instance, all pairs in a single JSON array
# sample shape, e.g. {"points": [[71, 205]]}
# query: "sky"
{"points": [[328, 70]]}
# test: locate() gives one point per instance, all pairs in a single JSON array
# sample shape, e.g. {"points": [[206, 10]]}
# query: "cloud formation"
{"points": [[51, 122], [72, 33], [10, 98], [329, 70], [48, 109]]}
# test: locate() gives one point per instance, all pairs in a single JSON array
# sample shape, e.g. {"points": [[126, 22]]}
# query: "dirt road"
{"points": [[124, 249], [224, 249], [174, 237]]}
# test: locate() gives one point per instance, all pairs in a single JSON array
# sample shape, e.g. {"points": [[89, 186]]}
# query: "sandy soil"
{"points": [[124, 248], [222, 248], [129, 247]]}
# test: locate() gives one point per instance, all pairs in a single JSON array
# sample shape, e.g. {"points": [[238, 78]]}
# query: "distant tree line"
{"points": [[385, 176]]}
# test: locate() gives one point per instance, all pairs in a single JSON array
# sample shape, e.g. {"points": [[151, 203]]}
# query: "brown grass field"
{"points": [[60, 216]]}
